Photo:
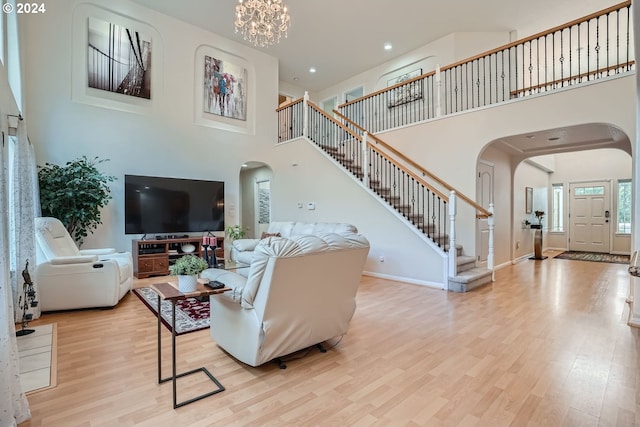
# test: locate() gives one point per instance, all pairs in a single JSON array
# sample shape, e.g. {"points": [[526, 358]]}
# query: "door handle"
{"points": [[606, 215]]}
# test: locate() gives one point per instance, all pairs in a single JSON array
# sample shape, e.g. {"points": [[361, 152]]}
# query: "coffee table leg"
{"points": [[173, 351], [159, 345]]}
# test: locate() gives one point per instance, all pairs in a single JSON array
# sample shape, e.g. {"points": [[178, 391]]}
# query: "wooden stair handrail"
{"points": [[377, 150], [482, 211], [579, 76], [289, 104]]}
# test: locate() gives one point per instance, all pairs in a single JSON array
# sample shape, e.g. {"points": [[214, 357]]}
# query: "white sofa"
{"points": [[68, 278], [242, 249], [299, 291]]}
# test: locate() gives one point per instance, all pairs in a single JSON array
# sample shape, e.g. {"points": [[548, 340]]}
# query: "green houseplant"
{"points": [[236, 232], [187, 269], [75, 193]]}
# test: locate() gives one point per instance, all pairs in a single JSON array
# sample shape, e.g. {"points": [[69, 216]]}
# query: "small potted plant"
{"points": [[187, 269], [236, 232]]}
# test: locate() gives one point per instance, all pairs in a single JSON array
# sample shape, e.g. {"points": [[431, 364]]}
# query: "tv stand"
{"points": [[153, 257]]}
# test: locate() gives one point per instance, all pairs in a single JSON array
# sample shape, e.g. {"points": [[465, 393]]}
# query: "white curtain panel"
{"points": [[24, 206], [14, 407]]}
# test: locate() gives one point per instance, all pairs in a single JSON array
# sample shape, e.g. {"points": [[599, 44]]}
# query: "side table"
{"points": [[170, 292]]}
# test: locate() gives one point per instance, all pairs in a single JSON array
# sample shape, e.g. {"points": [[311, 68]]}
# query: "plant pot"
{"points": [[187, 283]]}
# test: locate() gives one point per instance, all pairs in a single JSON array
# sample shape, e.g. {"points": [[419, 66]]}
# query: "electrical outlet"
{"points": [[381, 258]]}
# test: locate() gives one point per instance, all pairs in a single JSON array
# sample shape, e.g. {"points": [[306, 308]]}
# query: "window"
{"points": [[589, 191], [557, 207], [624, 207]]}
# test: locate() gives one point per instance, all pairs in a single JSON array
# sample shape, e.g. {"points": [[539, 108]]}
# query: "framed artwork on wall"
{"points": [[528, 197], [118, 59], [405, 93], [225, 89]]}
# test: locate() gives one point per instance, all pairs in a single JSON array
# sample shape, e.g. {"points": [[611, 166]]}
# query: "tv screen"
{"points": [[172, 205]]}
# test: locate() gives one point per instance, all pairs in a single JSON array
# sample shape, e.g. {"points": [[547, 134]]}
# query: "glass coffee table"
{"points": [[227, 264]]}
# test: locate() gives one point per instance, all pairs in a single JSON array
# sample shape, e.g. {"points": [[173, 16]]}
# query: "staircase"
{"points": [[467, 276]]}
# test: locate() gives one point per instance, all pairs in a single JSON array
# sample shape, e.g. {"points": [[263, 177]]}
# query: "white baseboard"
{"points": [[404, 280]]}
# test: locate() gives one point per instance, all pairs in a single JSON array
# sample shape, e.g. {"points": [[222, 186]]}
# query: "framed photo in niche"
{"points": [[528, 200], [224, 89], [405, 93], [118, 59]]}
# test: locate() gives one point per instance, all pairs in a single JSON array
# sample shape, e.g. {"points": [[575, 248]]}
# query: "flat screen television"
{"points": [[172, 205]]}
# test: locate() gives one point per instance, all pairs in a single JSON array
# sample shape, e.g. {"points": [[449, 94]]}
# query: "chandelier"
{"points": [[262, 22]]}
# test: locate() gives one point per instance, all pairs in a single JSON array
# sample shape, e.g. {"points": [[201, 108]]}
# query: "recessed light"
{"points": [[530, 136], [312, 70], [244, 165], [388, 46]]}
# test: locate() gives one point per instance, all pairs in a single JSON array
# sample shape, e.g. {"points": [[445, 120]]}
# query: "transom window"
{"points": [[589, 191]]}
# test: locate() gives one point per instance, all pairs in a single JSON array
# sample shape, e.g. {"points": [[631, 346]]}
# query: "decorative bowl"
{"points": [[188, 248]]}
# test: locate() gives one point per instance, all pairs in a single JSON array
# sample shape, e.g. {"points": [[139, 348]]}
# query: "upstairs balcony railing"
{"points": [[586, 49]]}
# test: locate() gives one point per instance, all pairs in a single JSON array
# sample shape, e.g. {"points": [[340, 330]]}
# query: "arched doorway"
{"points": [[548, 162], [255, 197]]}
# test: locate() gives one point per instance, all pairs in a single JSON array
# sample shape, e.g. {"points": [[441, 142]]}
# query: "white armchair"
{"points": [[299, 291], [69, 278]]}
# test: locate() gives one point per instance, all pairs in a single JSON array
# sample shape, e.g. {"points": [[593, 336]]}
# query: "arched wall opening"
{"points": [[564, 156]]}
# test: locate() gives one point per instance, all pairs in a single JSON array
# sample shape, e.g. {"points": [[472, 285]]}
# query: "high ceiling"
{"points": [[342, 38]]}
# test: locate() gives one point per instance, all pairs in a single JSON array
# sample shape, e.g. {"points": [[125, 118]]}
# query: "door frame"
{"points": [[482, 223]]}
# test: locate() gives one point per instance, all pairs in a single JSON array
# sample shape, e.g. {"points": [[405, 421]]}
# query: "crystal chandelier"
{"points": [[262, 22]]}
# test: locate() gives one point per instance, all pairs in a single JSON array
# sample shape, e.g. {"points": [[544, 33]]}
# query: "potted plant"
{"points": [[236, 232], [187, 269], [75, 193]]}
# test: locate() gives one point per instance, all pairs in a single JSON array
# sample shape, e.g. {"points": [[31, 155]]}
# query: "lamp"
{"points": [[262, 22]]}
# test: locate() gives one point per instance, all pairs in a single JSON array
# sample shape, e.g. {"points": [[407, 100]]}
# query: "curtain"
{"points": [[24, 206], [14, 407]]}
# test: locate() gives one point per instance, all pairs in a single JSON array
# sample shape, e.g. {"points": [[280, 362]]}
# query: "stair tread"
{"points": [[470, 275], [464, 259]]}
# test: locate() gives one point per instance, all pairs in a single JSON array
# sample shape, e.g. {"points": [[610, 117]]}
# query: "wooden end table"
{"points": [[170, 292]]}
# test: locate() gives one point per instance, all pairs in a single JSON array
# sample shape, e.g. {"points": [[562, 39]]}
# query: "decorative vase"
{"points": [[187, 283]]}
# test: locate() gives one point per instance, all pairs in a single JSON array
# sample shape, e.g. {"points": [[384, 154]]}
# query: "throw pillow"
{"points": [[265, 235]]}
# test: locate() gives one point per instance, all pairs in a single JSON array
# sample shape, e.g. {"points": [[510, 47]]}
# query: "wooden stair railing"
{"points": [[481, 212]]}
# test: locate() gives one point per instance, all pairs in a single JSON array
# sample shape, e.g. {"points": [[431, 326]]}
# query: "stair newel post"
{"points": [[438, 91], [453, 254], [365, 160], [305, 114], [490, 256]]}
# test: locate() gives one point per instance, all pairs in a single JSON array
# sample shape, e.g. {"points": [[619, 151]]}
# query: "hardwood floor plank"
{"points": [[546, 344]]}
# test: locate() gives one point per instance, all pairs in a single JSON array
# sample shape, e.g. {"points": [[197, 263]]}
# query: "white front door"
{"points": [[484, 198], [589, 216]]}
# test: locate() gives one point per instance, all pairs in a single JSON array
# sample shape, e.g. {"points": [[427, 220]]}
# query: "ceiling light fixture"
{"points": [[262, 22], [388, 46]]}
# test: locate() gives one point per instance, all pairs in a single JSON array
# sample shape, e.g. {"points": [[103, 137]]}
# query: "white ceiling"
{"points": [[342, 38]]}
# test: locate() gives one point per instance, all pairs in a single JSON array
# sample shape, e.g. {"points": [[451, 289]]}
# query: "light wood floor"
{"points": [[545, 345]]}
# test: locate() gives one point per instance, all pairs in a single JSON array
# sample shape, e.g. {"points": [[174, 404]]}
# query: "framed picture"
{"points": [[225, 89], [118, 59], [405, 93], [528, 197]]}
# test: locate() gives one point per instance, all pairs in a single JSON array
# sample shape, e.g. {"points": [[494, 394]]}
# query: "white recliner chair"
{"points": [[299, 292], [69, 278]]}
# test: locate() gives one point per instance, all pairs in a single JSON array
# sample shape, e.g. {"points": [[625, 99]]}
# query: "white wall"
{"points": [[161, 136], [528, 175], [302, 174]]}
